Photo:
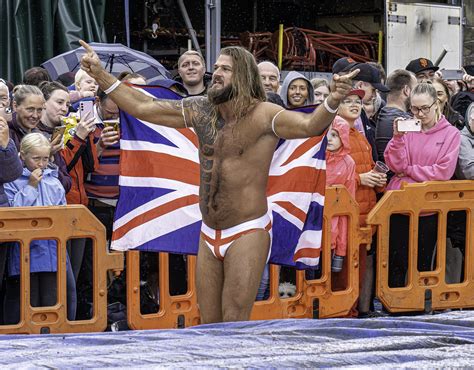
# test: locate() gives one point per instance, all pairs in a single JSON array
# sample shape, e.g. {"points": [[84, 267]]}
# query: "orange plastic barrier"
{"points": [[175, 311], [25, 224], [317, 295], [428, 289], [182, 311]]}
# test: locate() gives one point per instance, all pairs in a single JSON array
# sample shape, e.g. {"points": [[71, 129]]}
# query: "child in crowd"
{"points": [[85, 85], [340, 170], [37, 186], [85, 88], [368, 183]]}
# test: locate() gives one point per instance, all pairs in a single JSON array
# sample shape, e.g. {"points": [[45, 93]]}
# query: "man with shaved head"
{"points": [[191, 69]]}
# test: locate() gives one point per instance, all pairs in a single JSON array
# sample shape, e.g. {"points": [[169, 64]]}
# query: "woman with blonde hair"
{"points": [[428, 155]]}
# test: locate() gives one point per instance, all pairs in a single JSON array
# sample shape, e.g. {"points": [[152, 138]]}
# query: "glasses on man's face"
{"points": [[352, 102], [424, 110]]}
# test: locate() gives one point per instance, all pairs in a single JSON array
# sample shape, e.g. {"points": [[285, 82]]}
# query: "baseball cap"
{"points": [[469, 69], [420, 65], [370, 74], [344, 65], [359, 92]]}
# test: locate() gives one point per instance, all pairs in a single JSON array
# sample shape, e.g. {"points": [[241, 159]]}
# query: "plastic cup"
{"points": [[381, 167]]}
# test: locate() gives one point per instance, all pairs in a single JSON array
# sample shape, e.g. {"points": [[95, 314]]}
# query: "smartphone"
{"points": [[58, 131], [452, 74], [86, 109], [409, 125]]}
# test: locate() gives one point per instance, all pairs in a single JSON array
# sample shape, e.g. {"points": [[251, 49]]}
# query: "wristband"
{"points": [[112, 87], [328, 108]]}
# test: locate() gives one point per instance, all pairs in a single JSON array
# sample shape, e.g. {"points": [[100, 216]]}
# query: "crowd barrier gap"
{"points": [[24, 224], [311, 295], [426, 290], [313, 298]]}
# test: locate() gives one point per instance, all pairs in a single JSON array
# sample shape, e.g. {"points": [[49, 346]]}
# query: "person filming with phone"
{"points": [[423, 149], [56, 106]]}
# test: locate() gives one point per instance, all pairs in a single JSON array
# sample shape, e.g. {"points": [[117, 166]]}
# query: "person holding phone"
{"points": [[428, 155], [80, 156], [55, 108]]}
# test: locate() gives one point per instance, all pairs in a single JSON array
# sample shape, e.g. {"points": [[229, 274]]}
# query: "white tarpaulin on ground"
{"points": [[444, 340]]}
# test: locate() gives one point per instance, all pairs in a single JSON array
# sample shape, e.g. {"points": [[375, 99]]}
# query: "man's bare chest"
{"points": [[232, 140]]}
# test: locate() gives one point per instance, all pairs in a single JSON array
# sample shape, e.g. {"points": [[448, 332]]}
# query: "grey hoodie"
{"points": [[465, 166], [290, 77]]}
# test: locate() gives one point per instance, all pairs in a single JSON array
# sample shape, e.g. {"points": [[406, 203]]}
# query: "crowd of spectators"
{"points": [[40, 167], [441, 149]]}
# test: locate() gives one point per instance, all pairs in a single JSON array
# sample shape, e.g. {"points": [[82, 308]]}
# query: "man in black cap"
{"points": [[368, 80], [423, 68]]}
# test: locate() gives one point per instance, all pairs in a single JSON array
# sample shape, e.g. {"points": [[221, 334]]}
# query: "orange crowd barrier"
{"points": [[25, 224], [317, 297], [426, 290], [175, 311], [311, 295]]}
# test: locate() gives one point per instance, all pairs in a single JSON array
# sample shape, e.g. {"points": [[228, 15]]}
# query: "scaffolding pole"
{"points": [[213, 32]]}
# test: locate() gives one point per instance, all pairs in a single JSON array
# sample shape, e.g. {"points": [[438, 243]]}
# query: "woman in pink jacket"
{"points": [[340, 170], [428, 155]]}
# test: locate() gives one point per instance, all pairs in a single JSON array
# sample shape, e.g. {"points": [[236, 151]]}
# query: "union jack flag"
{"points": [[158, 207]]}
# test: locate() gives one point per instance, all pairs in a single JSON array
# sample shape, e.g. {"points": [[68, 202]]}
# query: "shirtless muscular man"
{"points": [[238, 133]]}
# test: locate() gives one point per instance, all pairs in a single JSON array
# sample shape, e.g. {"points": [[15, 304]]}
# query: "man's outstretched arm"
{"points": [[162, 112], [296, 125]]}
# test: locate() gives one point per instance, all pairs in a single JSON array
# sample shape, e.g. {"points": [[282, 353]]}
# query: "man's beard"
{"points": [[219, 96]]}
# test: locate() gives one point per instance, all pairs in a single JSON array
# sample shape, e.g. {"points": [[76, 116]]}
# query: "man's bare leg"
{"points": [[209, 282], [243, 268]]}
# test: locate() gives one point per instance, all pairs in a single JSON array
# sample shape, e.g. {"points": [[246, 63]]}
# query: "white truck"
{"points": [[432, 31]]}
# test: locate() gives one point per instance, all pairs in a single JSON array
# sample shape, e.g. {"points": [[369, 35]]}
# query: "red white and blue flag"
{"points": [[158, 207]]}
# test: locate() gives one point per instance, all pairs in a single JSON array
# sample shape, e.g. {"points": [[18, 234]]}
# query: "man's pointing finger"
{"points": [[351, 75], [86, 46]]}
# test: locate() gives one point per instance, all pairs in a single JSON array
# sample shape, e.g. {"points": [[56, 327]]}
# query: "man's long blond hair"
{"points": [[247, 87]]}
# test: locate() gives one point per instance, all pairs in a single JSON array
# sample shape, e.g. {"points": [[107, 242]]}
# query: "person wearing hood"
{"points": [[428, 155], [368, 183], [37, 186], [340, 170], [465, 165], [296, 91]]}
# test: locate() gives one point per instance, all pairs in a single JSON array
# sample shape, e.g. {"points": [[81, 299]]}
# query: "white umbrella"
{"points": [[116, 58]]}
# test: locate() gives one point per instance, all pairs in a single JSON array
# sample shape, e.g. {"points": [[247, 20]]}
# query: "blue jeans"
{"points": [[264, 288]]}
